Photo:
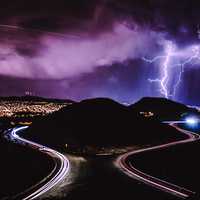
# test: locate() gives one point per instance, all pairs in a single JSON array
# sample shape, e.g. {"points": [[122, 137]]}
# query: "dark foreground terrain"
{"points": [[87, 130], [178, 165], [21, 168], [106, 182]]}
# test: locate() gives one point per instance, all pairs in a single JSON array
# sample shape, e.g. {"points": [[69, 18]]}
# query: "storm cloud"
{"points": [[55, 40], [72, 42], [62, 57]]}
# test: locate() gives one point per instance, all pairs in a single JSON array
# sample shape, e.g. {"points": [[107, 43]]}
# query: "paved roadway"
{"points": [[123, 163], [59, 172]]}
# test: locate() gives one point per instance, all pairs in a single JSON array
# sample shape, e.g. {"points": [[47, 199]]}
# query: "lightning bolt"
{"points": [[167, 65], [163, 81], [196, 56]]}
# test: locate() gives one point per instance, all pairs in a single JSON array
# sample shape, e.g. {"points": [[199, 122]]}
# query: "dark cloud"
{"points": [[26, 51], [179, 19], [57, 15]]}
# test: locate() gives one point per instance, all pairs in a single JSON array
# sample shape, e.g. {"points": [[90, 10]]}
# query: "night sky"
{"points": [[86, 48]]}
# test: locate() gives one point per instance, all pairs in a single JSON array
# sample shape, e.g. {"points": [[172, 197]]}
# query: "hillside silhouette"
{"points": [[163, 109], [99, 122]]}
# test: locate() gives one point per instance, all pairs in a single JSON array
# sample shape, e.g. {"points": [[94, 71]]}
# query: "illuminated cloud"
{"points": [[62, 57]]}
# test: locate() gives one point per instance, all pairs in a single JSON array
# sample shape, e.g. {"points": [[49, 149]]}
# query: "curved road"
{"points": [[133, 172], [59, 172], [62, 166]]}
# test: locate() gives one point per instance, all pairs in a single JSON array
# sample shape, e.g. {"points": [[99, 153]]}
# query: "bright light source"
{"points": [[192, 121]]}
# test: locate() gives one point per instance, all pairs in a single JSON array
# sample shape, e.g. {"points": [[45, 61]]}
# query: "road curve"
{"points": [[129, 169], [59, 172]]}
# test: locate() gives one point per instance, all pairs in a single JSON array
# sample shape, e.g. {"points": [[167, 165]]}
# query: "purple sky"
{"points": [[86, 48]]}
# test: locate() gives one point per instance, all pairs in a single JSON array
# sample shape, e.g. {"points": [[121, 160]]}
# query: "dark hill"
{"points": [[99, 122], [163, 109]]}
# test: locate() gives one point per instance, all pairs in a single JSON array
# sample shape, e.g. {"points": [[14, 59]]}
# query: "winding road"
{"points": [[60, 170], [62, 166], [123, 163]]}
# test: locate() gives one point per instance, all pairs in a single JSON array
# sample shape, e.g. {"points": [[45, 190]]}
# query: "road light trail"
{"points": [[129, 169], [60, 170]]}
